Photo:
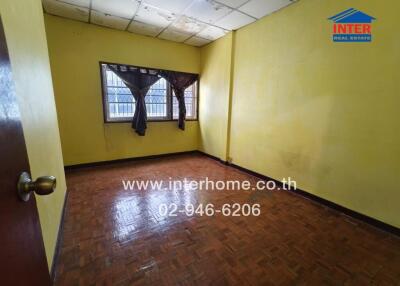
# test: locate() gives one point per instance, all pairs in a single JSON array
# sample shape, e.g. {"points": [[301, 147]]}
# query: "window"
{"points": [[161, 103]]}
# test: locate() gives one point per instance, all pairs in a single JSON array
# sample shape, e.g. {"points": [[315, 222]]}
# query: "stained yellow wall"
{"points": [[26, 40], [320, 112], [214, 99], [75, 51]]}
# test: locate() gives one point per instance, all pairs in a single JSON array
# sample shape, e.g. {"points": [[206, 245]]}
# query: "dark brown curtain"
{"points": [[179, 81], [139, 82]]}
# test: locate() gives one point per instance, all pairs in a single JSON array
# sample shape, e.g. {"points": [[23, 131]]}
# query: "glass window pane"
{"points": [[156, 100], [121, 103], [190, 102]]}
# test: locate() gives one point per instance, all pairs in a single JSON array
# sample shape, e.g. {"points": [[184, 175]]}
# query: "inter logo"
{"points": [[352, 26]]}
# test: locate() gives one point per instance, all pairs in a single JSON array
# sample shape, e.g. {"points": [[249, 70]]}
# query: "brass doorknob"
{"points": [[42, 186]]}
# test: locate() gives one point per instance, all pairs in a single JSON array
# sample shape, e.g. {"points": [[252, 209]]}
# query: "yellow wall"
{"points": [[26, 40], [214, 99], [320, 112], [75, 51]]}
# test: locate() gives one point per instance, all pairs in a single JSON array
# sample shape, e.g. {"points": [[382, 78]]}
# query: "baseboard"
{"points": [[103, 163], [59, 240], [213, 157], [351, 213]]}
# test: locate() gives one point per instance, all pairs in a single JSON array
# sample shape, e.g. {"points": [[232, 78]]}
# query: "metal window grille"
{"points": [[161, 103]]}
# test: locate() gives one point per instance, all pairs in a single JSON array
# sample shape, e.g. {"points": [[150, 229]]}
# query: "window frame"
{"points": [[169, 98]]}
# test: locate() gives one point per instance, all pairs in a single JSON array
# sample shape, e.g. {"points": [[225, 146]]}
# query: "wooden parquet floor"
{"points": [[113, 236]]}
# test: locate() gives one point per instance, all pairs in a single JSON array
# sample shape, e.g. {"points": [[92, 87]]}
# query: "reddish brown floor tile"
{"points": [[117, 237]]}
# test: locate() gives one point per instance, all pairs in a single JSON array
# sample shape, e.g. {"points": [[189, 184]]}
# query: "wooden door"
{"points": [[22, 254]]}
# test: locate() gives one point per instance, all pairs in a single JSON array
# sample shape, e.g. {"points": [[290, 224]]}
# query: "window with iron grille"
{"points": [[161, 103]]}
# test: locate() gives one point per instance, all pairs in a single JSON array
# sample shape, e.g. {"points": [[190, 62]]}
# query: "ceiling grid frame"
{"points": [[242, 18]]}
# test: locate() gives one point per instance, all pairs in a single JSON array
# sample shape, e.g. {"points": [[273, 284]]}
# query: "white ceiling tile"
{"points": [[154, 16], [207, 11], [260, 8], [121, 8], [82, 3], [144, 29], [197, 41], [66, 10], [234, 21], [187, 25], [232, 3], [212, 33], [173, 35], [108, 20], [175, 6], [196, 21]]}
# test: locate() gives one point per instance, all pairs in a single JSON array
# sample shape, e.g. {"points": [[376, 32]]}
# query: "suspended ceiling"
{"points": [[194, 22]]}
